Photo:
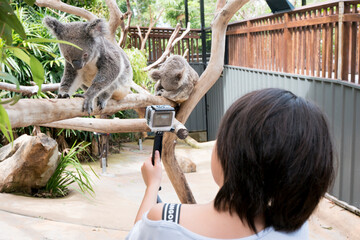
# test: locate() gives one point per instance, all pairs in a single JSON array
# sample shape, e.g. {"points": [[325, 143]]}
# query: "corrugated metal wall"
{"points": [[197, 118], [339, 100]]}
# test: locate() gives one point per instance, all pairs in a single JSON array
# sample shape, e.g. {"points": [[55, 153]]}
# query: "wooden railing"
{"points": [[320, 40], [158, 39]]}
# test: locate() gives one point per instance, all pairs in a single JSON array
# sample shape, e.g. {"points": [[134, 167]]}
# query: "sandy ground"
{"points": [[111, 212]]}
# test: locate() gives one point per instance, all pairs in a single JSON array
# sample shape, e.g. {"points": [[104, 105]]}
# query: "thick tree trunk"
{"points": [[206, 81]]}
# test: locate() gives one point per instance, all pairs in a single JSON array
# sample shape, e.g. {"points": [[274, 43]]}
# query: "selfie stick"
{"points": [[157, 145]]}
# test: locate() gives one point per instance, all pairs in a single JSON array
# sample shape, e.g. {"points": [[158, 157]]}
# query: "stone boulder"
{"points": [[28, 164]]}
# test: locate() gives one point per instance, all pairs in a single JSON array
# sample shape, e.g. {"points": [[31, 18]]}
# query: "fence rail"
{"points": [[158, 39], [320, 40]]}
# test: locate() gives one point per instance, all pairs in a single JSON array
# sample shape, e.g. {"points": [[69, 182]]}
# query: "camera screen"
{"points": [[162, 119]]}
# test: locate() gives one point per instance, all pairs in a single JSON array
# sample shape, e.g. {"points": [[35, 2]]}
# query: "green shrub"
{"points": [[70, 171], [138, 61]]}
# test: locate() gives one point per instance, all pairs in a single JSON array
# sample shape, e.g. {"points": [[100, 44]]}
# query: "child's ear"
{"points": [[54, 26], [97, 28]]}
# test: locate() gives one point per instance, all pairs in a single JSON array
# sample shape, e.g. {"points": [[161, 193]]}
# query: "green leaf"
{"points": [[10, 78], [6, 33], [30, 2], [5, 125], [37, 71], [8, 17], [42, 40]]}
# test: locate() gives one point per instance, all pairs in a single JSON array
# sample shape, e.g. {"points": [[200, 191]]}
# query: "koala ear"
{"points": [[97, 28], [155, 75], [53, 25], [178, 75]]}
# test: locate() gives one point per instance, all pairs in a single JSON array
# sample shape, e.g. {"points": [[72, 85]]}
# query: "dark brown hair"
{"points": [[276, 153]]}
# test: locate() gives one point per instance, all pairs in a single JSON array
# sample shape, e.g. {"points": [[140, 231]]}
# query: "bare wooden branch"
{"points": [[139, 89], [102, 125], [59, 5], [116, 18], [125, 29], [168, 48], [206, 81], [187, 30], [185, 55], [152, 23], [111, 125], [28, 112], [29, 90]]}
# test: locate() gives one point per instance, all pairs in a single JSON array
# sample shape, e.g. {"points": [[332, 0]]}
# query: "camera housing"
{"points": [[160, 118]]}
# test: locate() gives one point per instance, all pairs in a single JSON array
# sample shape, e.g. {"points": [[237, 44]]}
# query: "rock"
{"points": [[29, 164], [185, 163]]}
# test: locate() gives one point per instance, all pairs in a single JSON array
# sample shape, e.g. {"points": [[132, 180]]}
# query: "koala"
{"points": [[175, 79], [101, 68]]}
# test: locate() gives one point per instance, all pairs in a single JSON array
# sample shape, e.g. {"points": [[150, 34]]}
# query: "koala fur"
{"points": [[175, 79], [101, 68]]}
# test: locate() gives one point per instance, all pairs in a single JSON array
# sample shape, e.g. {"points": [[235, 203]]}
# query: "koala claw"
{"points": [[101, 104], [63, 95], [79, 95], [87, 107]]}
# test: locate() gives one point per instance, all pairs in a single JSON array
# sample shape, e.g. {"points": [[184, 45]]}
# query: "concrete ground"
{"points": [[110, 214]]}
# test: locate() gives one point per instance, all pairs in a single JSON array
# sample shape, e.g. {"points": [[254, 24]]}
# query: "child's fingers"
{"points": [[157, 157]]}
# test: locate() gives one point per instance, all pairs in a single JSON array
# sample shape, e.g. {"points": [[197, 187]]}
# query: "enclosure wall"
{"points": [[338, 99]]}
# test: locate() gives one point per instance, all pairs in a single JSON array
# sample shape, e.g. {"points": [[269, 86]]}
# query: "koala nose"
{"points": [[77, 64]]}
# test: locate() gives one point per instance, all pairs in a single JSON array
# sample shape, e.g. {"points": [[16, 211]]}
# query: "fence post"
{"points": [[249, 51], [343, 62], [287, 46]]}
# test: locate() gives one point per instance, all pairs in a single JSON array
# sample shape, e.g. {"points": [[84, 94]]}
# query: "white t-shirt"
{"points": [[146, 229]]}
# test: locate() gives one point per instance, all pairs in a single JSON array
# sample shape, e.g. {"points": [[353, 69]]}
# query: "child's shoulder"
{"points": [[155, 213]]}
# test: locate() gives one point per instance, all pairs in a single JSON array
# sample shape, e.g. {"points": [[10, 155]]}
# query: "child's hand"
{"points": [[152, 174]]}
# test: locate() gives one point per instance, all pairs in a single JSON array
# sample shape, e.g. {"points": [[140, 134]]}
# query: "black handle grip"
{"points": [[157, 145]]}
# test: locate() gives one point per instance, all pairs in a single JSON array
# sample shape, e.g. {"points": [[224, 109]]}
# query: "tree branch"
{"points": [[206, 81], [125, 29], [28, 112], [58, 5], [170, 46], [152, 23], [112, 125], [29, 90]]}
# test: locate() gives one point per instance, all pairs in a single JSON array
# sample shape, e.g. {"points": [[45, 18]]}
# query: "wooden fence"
{"points": [[319, 40], [158, 39]]}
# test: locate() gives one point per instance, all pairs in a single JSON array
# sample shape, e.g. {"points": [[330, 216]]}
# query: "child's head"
{"points": [[276, 153]]}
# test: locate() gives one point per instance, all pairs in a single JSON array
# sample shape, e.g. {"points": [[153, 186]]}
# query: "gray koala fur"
{"points": [[175, 79], [101, 68]]}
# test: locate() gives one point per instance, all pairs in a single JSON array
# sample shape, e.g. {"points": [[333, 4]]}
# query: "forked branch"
{"points": [[170, 46], [152, 23]]}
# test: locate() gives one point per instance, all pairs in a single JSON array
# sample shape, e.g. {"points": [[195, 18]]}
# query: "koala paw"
{"points": [[88, 106], [160, 92], [63, 95], [101, 103], [79, 95]]}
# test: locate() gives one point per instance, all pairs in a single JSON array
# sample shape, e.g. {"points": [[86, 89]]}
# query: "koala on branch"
{"points": [[101, 68], [175, 79]]}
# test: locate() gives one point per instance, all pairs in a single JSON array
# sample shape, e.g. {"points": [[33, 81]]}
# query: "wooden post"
{"points": [[344, 28], [287, 46], [249, 53]]}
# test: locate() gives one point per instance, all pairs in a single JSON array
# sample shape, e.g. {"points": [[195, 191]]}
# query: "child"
{"points": [[273, 162]]}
